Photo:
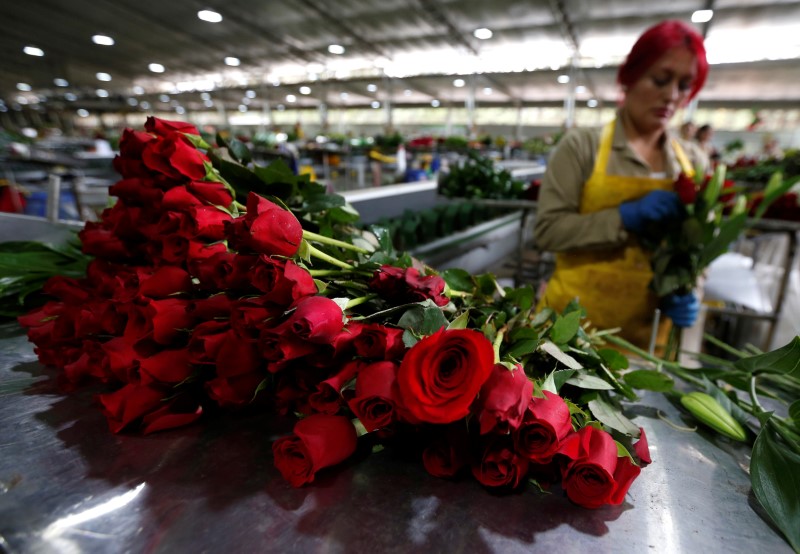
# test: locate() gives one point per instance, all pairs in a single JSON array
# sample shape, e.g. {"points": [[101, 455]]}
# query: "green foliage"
{"points": [[479, 178]]}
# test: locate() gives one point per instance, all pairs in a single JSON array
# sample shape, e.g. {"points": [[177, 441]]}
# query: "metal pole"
{"points": [[53, 196]]}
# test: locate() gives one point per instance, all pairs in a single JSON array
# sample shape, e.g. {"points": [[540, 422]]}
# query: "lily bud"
{"points": [[710, 412]]}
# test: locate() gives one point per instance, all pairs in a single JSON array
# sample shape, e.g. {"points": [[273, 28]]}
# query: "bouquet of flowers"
{"points": [[219, 284]]}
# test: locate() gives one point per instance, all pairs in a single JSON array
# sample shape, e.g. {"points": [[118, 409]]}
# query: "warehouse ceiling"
{"points": [[408, 52]]}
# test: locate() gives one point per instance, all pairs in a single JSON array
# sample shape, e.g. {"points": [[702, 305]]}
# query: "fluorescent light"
{"points": [[336, 49], [138, 90], [133, 102], [210, 16], [103, 76], [246, 101], [250, 93], [33, 51], [60, 82], [102, 93], [458, 83], [180, 110], [205, 96], [24, 87], [435, 103], [103, 40], [163, 98], [242, 108], [208, 103], [407, 92], [702, 16], [144, 105], [487, 90], [230, 60], [580, 89], [343, 95], [82, 113], [372, 88], [305, 90], [592, 103], [563, 79], [70, 97], [281, 107], [156, 68], [483, 33], [375, 104], [291, 98]]}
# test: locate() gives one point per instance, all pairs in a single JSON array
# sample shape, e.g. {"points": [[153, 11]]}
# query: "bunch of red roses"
{"points": [[195, 302]]}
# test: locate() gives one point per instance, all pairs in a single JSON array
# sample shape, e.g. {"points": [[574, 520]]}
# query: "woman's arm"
{"points": [[559, 225]]}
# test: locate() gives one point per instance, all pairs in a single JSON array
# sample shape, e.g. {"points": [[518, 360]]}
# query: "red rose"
{"points": [[162, 320], [235, 391], [67, 289], [217, 306], [132, 143], [546, 423], [641, 448], [328, 397], [215, 194], [214, 272], [179, 199], [318, 441], [378, 341], [441, 374], [148, 407], [97, 240], [130, 168], [93, 362], [499, 465], [206, 222], [315, 319], [594, 475], [165, 366], [137, 192], [122, 359], [407, 285], [206, 341], [175, 157], [282, 281], [249, 316], [686, 189], [448, 454], [280, 348], [503, 399], [164, 127], [374, 402], [165, 281], [267, 229]]}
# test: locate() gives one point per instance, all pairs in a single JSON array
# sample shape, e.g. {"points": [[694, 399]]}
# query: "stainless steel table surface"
{"points": [[68, 485]]}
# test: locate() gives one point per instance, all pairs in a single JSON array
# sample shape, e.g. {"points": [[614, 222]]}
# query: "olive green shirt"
{"points": [[559, 226]]}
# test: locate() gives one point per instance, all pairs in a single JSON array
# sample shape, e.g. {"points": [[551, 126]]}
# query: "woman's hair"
{"points": [[654, 42]]}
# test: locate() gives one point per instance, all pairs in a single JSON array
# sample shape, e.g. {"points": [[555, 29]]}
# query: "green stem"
{"points": [[791, 438], [672, 367], [308, 235], [336, 272], [753, 395], [498, 340], [239, 206], [726, 347], [358, 301], [325, 257]]}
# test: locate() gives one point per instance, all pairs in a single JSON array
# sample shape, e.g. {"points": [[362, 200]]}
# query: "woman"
{"points": [[605, 186]]}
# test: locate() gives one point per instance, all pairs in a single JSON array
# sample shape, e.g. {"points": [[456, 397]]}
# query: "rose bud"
{"points": [[272, 230], [315, 318], [374, 402], [503, 399], [441, 374], [448, 453], [642, 449], [686, 189], [546, 423], [710, 412], [318, 441], [164, 127], [499, 465], [594, 475], [148, 407]]}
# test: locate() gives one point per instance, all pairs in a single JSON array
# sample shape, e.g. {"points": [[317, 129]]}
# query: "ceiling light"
{"points": [[33, 51], [205, 96], [291, 98], [70, 97], [305, 90], [60, 82], [230, 60], [435, 103], [276, 83], [210, 16], [563, 79], [281, 107], [163, 98], [144, 105], [246, 101], [22, 100], [208, 103], [580, 89], [3, 108], [250, 93], [702, 16], [375, 104], [458, 83], [242, 108], [407, 92], [483, 33], [82, 113], [487, 90], [180, 110], [24, 87], [101, 92], [156, 68], [103, 40], [336, 49], [138, 90], [313, 77], [372, 88], [103, 76], [343, 95], [133, 102], [592, 103]]}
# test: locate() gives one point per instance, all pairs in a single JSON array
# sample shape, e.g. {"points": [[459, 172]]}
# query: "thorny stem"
{"points": [[325, 257]]}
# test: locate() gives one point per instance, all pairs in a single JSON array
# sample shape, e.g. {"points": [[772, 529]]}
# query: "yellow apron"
{"points": [[612, 284]]}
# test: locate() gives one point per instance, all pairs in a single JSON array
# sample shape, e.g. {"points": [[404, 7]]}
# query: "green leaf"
{"points": [[565, 327], [775, 476], [794, 412], [584, 380], [613, 359], [542, 317], [384, 236], [556, 379], [423, 320], [729, 230], [520, 348], [562, 357], [522, 297], [324, 202], [622, 452], [460, 322], [459, 279], [648, 379], [612, 417], [784, 360]]}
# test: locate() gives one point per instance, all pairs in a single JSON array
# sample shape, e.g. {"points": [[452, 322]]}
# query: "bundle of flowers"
{"points": [[196, 302]]}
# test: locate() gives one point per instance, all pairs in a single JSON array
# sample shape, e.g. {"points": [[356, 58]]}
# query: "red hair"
{"points": [[654, 42]]}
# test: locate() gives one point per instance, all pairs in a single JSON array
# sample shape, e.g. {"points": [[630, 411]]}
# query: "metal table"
{"points": [[68, 485]]}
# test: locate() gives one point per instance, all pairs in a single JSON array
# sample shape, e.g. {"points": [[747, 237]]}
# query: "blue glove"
{"points": [[682, 309], [658, 205]]}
